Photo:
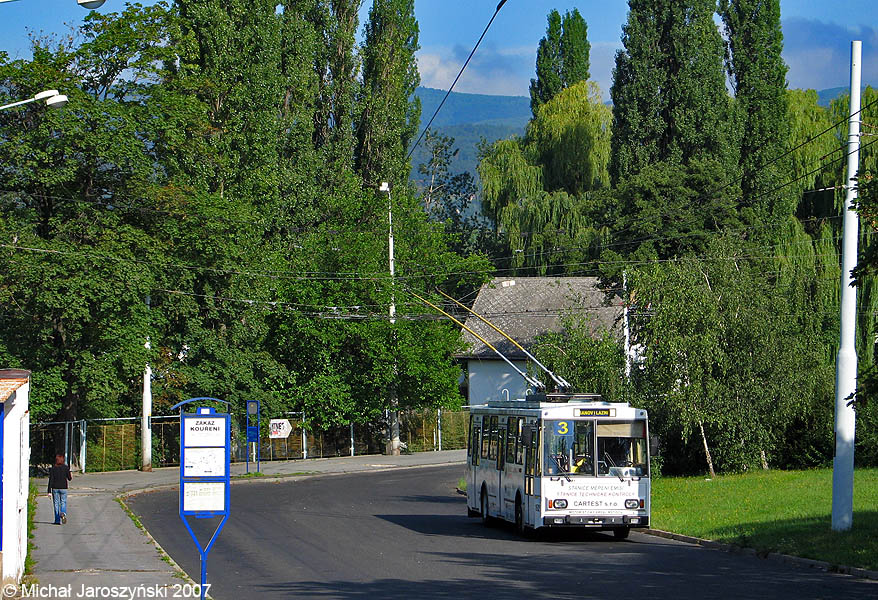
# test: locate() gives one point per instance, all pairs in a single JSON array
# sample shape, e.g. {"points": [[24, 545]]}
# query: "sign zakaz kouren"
{"points": [[205, 456]]}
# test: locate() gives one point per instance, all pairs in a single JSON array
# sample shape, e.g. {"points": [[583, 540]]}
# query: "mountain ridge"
{"points": [[469, 118]]}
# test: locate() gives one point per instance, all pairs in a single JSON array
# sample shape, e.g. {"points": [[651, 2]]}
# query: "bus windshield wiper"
{"points": [[613, 464], [561, 470]]}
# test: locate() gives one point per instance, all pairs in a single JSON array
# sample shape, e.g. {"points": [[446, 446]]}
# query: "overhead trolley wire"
{"points": [[448, 93]]}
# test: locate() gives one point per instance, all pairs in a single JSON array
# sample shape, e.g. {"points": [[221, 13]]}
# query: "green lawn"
{"points": [[773, 511]]}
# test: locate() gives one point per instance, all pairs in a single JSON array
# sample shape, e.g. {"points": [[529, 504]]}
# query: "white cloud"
{"points": [[503, 71], [819, 54], [496, 71]]}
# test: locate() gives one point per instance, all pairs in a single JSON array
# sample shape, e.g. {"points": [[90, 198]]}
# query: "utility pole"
{"points": [[393, 441], [846, 364], [626, 326], [146, 413]]}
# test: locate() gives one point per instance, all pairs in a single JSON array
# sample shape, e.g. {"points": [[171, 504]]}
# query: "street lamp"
{"points": [[52, 97], [87, 4]]}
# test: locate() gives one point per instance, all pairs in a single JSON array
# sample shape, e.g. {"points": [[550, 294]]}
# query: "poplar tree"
{"points": [[669, 97], [755, 43], [562, 57], [389, 113], [229, 55], [337, 66]]}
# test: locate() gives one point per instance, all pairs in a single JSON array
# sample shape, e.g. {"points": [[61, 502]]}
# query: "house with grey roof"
{"points": [[524, 308]]}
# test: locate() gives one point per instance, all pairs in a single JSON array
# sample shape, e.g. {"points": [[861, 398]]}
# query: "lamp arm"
{"points": [[20, 102]]}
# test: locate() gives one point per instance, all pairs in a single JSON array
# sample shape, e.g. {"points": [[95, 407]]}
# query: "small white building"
{"points": [[14, 473], [524, 308]]}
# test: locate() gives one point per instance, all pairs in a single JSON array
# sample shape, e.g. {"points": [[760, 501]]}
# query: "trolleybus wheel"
{"points": [[621, 533], [486, 520], [519, 516]]}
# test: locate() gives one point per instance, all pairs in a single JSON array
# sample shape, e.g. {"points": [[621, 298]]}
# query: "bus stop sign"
{"points": [[205, 452]]}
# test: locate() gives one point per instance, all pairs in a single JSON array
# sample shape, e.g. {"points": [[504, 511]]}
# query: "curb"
{"points": [[122, 496], [280, 478], [798, 561], [162, 554]]}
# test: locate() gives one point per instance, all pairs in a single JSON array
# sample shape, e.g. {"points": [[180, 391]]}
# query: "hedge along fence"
{"points": [[114, 444]]}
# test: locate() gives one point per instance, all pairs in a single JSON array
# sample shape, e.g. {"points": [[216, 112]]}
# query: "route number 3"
{"points": [[562, 428]]}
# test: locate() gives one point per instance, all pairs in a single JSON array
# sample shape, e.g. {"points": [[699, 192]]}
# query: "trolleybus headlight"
{"points": [[560, 503], [633, 503]]}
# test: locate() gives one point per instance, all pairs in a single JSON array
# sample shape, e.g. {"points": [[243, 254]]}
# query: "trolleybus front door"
{"points": [[531, 456], [501, 455]]}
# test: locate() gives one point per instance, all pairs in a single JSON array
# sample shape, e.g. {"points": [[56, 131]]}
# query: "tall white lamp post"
{"points": [[393, 448]]}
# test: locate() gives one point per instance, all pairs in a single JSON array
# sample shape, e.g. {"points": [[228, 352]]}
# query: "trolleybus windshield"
{"points": [[583, 447]]}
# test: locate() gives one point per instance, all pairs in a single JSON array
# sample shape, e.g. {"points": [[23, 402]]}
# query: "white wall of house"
{"points": [[16, 458], [488, 379]]}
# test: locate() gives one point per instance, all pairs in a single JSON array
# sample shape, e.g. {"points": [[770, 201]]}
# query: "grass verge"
{"points": [[256, 474], [773, 511], [29, 561]]}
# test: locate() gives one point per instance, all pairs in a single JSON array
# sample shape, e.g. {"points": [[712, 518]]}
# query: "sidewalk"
{"points": [[101, 546]]}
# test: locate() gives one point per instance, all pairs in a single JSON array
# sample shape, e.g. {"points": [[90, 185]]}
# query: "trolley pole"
{"points": [[846, 364]]}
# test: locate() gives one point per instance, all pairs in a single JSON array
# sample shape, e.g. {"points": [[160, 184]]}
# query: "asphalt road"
{"points": [[405, 534]]}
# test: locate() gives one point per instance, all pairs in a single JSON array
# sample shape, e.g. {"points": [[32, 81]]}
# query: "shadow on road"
{"points": [[462, 526], [450, 498], [619, 571]]}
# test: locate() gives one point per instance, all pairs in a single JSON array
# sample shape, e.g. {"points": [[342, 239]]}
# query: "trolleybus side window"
{"points": [[622, 449], [486, 436], [519, 443], [469, 437], [474, 443], [512, 437], [493, 433], [529, 442], [501, 439]]}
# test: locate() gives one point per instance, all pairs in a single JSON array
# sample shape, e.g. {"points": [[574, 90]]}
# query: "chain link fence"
{"points": [[114, 444]]}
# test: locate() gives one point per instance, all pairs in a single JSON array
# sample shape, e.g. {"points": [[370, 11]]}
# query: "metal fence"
{"points": [[57, 437], [114, 444]]}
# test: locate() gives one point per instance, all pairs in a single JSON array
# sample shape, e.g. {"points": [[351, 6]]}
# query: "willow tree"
{"points": [[571, 140], [813, 186], [867, 281], [507, 175], [538, 189]]}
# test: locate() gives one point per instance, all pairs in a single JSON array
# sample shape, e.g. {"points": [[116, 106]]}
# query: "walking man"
{"points": [[59, 475]]}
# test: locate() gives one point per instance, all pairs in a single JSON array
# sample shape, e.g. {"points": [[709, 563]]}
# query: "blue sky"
{"points": [[817, 38]]}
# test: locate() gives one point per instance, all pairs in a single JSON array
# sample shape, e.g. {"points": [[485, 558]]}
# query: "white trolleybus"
{"points": [[559, 460], [555, 459]]}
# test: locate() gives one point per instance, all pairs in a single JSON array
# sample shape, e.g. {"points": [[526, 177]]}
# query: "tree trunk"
{"points": [[706, 450]]}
